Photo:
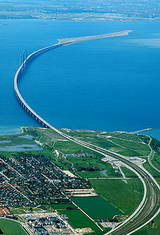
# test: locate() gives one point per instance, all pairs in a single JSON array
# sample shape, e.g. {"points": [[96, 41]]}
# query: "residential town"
{"points": [[32, 180]]}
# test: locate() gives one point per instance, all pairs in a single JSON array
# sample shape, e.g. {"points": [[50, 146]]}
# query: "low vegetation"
{"points": [[9, 227], [132, 190], [104, 177]]}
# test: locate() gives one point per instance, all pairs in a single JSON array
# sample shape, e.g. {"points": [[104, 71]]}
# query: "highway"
{"points": [[149, 206]]}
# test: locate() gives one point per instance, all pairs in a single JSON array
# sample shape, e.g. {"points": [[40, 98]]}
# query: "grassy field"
{"points": [[87, 167], [69, 147], [151, 170], [129, 173], [156, 160], [58, 206], [116, 191], [105, 173], [151, 228], [149, 231], [123, 143], [122, 146], [97, 207], [23, 210], [10, 227], [78, 220]]}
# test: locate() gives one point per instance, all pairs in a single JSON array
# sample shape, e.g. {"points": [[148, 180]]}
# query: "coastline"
{"points": [[19, 129], [155, 133], [9, 130]]}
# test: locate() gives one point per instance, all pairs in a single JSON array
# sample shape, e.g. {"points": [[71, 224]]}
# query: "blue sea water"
{"points": [[155, 133], [107, 84]]}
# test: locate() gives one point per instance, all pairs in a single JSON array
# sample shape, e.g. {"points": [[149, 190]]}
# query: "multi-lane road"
{"points": [[150, 204], [149, 207]]}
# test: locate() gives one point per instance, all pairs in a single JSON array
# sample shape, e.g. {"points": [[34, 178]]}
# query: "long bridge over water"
{"points": [[149, 208], [19, 75], [33, 55]]}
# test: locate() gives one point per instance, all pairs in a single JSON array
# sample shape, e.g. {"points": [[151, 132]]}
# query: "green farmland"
{"points": [[9, 227], [109, 189], [78, 220], [97, 207]]}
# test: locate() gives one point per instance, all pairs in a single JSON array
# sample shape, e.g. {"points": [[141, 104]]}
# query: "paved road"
{"points": [[151, 155], [149, 206]]}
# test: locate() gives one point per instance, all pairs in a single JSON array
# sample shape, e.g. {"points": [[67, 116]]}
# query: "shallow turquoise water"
{"points": [[9, 130], [19, 148], [107, 84], [155, 133]]}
